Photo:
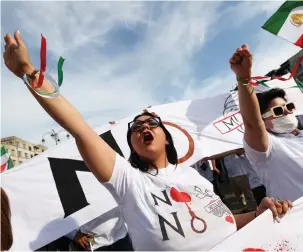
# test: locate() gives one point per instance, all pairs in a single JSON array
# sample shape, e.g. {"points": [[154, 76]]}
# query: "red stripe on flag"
{"points": [[3, 167], [300, 42]]}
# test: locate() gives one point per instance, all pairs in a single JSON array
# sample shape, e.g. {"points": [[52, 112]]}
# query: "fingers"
{"points": [[290, 205], [284, 207], [9, 40], [245, 51], [10, 49], [84, 244], [235, 59], [245, 46], [273, 209], [241, 52], [18, 39], [10, 45], [279, 208]]}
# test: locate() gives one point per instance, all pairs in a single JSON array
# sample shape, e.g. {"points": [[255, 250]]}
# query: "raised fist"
{"points": [[241, 62]]}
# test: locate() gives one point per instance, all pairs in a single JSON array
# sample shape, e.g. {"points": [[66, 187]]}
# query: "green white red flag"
{"points": [[287, 22], [6, 162]]}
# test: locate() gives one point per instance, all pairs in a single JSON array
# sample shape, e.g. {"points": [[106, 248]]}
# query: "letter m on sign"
{"points": [[229, 123]]}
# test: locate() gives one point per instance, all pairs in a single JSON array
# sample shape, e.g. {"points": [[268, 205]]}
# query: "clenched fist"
{"points": [[241, 62]]}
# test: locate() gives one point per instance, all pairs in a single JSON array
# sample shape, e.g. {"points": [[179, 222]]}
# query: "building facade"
{"points": [[21, 150]]}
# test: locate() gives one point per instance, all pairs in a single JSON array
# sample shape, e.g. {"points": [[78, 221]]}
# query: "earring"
{"points": [[167, 143]]}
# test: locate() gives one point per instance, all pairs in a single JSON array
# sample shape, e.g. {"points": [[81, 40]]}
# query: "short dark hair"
{"points": [[266, 97], [6, 227], [143, 165]]}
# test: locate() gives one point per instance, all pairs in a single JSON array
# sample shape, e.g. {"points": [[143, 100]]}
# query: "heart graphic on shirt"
{"points": [[179, 196], [229, 219]]}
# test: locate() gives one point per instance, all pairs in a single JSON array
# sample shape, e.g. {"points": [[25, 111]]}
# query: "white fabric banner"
{"points": [[54, 193], [263, 234]]}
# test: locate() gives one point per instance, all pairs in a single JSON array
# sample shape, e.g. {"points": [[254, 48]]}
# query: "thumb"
{"points": [[18, 38]]}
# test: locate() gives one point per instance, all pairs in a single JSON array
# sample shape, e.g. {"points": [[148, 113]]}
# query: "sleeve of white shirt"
{"points": [[122, 178], [72, 234], [257, 157]]}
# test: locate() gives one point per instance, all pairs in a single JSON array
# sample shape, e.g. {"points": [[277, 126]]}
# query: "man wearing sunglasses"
{"points": [[273, 140]]}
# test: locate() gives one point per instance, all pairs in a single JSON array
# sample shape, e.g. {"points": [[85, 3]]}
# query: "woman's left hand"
{"points": [[277, 207]]}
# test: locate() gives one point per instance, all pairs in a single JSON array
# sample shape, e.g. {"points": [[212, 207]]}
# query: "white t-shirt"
{"points": [[234, 166], [280, 168], [107, 228], [207, 173], [253, 178], [156, 208]]}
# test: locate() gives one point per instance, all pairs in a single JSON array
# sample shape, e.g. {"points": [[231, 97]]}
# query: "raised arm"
{"points": [[255, 133], [98, 156]]}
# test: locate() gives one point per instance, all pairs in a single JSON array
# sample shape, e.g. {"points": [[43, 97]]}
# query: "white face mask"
{"points": [[285, 124]]}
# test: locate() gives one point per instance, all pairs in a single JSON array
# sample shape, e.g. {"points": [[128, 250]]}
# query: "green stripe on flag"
{"points": [[276, 21], [10, 164], [3, 151], [6, 159]]}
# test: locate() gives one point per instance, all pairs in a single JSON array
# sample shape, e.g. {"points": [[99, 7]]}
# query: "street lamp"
{"points": [[54, 135]]}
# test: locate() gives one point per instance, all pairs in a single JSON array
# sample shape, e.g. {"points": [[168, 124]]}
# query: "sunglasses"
{"points": [[278, 111], [137, 125]]}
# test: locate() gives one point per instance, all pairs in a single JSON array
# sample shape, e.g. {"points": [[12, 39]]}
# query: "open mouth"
{"points": [[147, 137]]}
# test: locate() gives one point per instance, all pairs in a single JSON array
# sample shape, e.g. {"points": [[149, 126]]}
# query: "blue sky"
{"points": [[123, 56]]}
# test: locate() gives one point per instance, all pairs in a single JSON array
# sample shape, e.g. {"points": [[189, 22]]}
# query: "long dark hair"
{"points": [[6, 227], [144, 165]]}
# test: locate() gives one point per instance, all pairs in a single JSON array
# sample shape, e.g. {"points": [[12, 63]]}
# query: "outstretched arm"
{"points": [[98, 156], [255, 133]]}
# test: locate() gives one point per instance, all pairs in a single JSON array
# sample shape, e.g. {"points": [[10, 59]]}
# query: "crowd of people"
{"points": [[159, 200]]}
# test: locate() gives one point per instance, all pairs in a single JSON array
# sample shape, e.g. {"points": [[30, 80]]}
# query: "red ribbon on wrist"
{"points": [[42, 63]]}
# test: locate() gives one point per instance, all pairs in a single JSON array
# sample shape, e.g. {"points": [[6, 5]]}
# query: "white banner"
{"points": [[263, 234], [54, 193]]}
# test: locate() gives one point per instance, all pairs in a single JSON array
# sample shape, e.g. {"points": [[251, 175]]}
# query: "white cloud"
{"points": [[269, 54], [69, 25], [171, 36]]}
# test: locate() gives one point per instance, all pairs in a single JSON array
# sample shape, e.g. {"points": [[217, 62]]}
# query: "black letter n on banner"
{"points": [[69, 188]]}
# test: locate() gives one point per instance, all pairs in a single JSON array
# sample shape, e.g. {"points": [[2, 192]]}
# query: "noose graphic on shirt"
{"points": [[186, 198]]}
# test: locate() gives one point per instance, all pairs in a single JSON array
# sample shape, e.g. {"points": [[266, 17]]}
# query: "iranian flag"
{"points": [[6, 162], [287, 22]]}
